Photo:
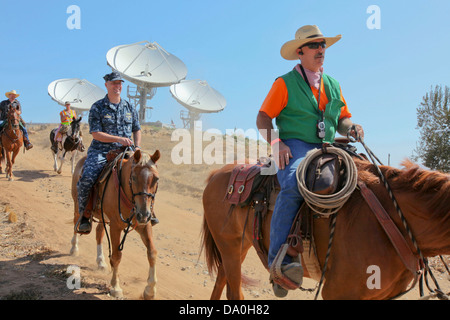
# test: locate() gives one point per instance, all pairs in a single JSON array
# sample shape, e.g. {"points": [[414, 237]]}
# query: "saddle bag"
{"points": [[323, 175], [244, 180]]}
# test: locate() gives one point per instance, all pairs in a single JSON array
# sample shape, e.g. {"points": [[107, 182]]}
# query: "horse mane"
{"points": [[434, 183], [434, 186], [145, 159]]}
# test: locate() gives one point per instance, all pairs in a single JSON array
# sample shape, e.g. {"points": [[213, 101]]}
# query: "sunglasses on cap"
{"points": [[315, 45]]}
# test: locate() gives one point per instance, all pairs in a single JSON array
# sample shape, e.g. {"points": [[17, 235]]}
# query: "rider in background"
{"points": [[67, 116], [11, 102]]}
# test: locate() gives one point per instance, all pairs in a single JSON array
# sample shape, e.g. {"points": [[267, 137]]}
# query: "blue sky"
{"points": [[234, 46]]}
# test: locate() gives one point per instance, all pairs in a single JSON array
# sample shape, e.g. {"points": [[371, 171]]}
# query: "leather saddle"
{"points": [[245, 179], [247, 186], [112, 158]]}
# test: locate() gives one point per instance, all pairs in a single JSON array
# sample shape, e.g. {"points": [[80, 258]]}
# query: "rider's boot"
{"points": [[27, 143], [84, 226]]}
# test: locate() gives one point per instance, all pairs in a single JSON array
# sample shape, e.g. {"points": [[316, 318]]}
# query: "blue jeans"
{"points": [[289, 199]]}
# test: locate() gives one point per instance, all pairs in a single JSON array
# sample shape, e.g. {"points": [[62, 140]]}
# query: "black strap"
{"points": [[307, 82]]}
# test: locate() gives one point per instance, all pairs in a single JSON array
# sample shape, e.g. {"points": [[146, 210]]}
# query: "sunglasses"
{"points": [[315, 45]]}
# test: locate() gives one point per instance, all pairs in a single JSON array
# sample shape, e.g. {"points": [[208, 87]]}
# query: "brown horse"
{"points": [[137, 177], [359, 241], [12, 140]]}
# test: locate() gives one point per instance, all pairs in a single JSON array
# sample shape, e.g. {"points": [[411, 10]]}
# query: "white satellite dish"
{"points": [[146, 64], [79, 92], [198, 97]]}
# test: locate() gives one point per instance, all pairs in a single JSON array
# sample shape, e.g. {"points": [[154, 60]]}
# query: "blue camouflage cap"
{"points": [[113, 76]]}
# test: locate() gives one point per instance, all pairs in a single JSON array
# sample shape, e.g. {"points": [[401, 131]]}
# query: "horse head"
{"points": [[144, 184], [13, 118], [75, 131]]}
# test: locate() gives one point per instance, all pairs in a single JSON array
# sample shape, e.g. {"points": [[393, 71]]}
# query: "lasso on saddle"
{"points": [[325, 175]]}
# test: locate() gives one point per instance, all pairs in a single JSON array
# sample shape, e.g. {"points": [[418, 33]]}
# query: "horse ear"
{"points": [[155, 157], [137, 155], [79, 119]]}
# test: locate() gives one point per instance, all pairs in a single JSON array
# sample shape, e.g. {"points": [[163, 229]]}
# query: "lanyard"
{"points": [[320, 91]]}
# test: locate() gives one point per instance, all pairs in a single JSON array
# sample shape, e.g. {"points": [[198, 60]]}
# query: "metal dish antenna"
{"points": [[79, 92], [148, 66], [198, 97]]}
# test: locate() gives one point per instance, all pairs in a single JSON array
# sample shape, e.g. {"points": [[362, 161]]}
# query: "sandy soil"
{"points": [[36, 213]]}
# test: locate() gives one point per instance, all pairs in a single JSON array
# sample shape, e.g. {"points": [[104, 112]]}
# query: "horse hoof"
{"points": [[74, 252], [59, 171], [149, 293], [102, 267], [116, 293]]}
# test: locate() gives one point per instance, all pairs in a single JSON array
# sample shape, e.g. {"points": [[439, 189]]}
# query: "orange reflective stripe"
{"points": [[66, 118]]}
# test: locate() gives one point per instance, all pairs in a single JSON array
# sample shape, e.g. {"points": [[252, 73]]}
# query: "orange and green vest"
{"points": [[298, 120], [67, 117]]}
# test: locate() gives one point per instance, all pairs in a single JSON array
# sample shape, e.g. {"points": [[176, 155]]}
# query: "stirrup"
{"points": [[77, 226], [280, 274]]}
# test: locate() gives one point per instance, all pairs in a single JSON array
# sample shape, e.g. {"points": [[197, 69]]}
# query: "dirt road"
{"points": [[34, 250]]}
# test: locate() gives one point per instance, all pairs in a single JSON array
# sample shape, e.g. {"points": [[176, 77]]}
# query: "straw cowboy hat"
{"points": [[12, 92], [304, 35]]}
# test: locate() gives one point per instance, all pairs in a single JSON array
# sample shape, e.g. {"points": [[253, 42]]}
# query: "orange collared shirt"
{"points": [[277, 99]]}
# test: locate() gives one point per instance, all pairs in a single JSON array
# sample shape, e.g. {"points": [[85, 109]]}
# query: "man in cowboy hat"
{"points": [[309, 108], [11, 102], [112, 122]]}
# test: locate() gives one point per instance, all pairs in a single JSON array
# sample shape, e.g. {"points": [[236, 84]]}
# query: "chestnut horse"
{"points": [[136, 179], [359, 240], [12, 140]]}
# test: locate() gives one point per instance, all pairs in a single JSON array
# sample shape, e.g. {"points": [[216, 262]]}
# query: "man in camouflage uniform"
{"points": [[11, 102], [112, 122]]}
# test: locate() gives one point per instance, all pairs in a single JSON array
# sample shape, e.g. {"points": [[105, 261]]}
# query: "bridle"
{"points": [[14, 123], [141, 193], [117, 173]]}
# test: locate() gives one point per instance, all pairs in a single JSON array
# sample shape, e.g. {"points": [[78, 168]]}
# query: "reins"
{"points": [[14, 128], [423, 272], [127, 221]]}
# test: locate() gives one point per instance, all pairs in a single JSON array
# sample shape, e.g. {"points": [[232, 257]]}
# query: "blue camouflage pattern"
{"points": [[115, 119]]}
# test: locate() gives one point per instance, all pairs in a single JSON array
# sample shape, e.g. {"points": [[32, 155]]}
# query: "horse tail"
{"points": [[212, 254]]}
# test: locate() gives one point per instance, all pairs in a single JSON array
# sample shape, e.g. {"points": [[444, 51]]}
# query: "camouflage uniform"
{"points": [[115, 119]]}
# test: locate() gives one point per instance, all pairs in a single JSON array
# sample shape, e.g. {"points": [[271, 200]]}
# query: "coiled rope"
{"points": [[332, 203]]}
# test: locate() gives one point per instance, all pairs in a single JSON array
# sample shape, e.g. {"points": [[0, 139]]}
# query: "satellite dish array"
{"points": [[79, 92], [148, 66]]}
